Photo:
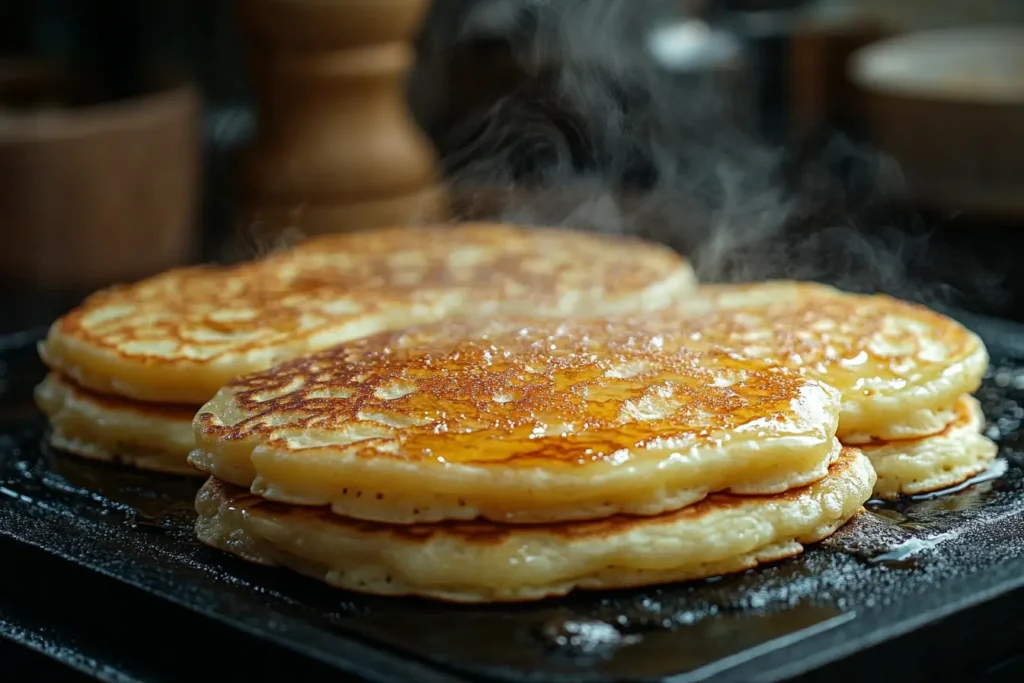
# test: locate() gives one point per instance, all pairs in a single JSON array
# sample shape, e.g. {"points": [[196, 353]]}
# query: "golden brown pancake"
{"points": [[954, 455], [149, 436], [517, 420], [179, 336], [479, 561], [901, 367]]}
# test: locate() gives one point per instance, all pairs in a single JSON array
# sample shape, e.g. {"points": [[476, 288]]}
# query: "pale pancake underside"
{"points": [[179, 336], [484, 562], [898, 365], [111, 429], [518, 420], [933, 463]]}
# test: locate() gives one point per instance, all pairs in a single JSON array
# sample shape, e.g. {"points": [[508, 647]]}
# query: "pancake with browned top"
{"points": [[517, 420], [901, 368], [478, 561], [179, 336]]}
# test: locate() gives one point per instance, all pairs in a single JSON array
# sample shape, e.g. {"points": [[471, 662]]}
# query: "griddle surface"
{"points": [[897, 568]]}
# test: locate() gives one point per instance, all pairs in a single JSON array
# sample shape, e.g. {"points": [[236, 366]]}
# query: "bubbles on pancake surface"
{"points": [[524, 374]]}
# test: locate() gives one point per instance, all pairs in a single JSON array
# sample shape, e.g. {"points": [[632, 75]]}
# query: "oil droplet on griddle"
{"points": [[583, 637]]}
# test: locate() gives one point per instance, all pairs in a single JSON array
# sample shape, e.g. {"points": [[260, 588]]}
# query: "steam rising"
{"points": [[593, 133]]}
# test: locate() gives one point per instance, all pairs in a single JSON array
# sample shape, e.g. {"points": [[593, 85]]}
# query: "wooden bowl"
{"points": [[948, 105], [93, 192]]}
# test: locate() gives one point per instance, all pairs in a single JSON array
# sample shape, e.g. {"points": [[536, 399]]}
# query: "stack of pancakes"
{"points": [[491, 413], [905, 373], [523, 458], [132, 364]]}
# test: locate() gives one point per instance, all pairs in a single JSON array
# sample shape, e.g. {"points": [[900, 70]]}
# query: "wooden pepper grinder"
{"points": [[336, 149]]}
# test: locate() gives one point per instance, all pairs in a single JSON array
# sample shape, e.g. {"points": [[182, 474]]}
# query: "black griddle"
{"points": [[99, 573]]}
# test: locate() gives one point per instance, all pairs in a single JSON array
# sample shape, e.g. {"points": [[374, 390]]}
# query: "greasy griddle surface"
{"points": [[897, 564]]}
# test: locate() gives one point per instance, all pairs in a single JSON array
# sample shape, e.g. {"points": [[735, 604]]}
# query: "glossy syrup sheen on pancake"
{"points": [[900, 367], [480, 561], [521, 419], [179, 336]]}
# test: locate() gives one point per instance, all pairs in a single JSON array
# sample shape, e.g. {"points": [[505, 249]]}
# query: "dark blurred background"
{"points": [[732, 130]]}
